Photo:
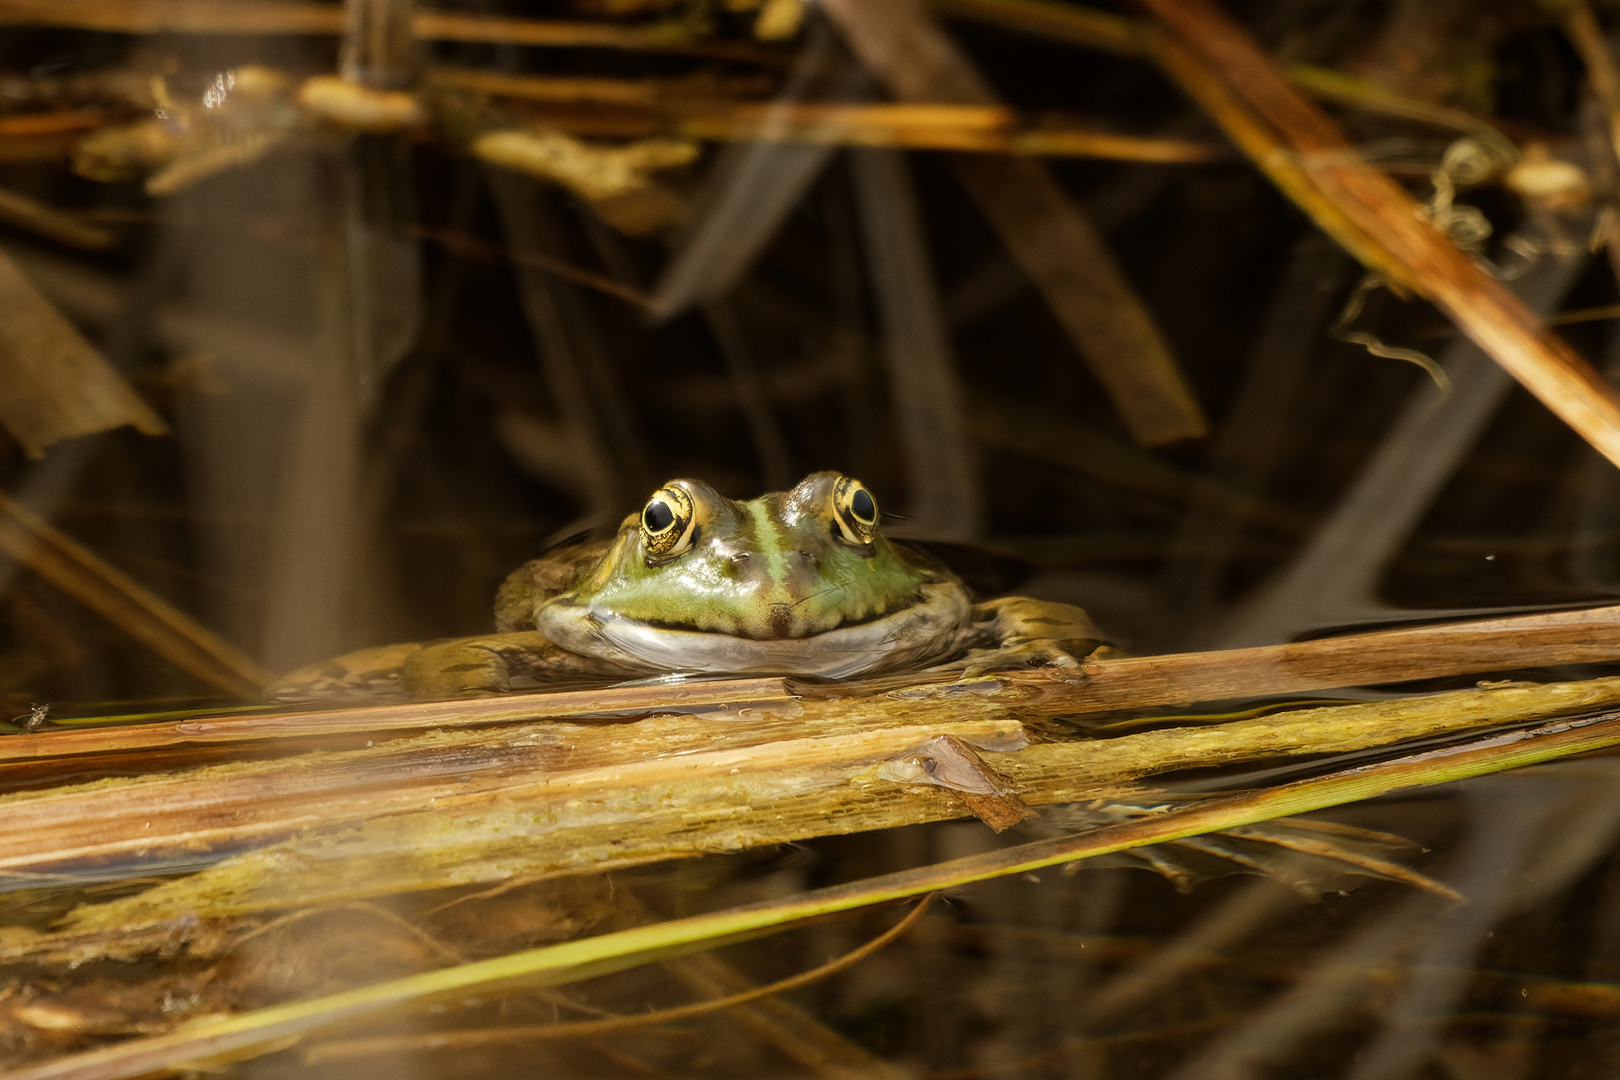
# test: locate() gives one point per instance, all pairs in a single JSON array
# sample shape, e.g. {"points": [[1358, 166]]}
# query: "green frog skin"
{"points": [[799, 582]]}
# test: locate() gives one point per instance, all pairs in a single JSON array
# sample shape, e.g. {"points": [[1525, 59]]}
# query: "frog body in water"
{"points": [[800, 582]]}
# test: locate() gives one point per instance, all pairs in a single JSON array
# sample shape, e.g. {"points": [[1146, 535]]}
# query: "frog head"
{"points": [[799, 581]]}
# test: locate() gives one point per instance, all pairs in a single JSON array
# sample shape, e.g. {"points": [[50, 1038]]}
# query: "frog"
{"points": [[799, 583]]}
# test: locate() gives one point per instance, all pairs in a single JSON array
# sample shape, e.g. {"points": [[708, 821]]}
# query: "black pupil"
{"points": [[863, 506], [658, 516]]}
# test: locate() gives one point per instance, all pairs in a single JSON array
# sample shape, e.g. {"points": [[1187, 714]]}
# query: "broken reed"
{"points": [[1174, 679], [278, 1026], [656, 772]]}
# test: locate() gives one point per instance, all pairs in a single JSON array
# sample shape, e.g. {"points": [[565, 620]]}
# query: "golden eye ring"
{"points": [[855, 511], [667, 523]]}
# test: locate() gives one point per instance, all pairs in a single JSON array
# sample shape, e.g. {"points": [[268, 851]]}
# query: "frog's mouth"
{"points": [[924, 632]]}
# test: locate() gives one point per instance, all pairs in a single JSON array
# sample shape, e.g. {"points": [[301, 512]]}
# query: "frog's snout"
{"points": [[782, 620]]}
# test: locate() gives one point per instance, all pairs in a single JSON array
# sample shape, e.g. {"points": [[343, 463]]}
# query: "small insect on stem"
{"points": [[36, 715]]}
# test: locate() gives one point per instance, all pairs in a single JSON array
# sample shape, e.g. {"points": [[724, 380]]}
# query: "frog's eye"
{"points": [[855, 512], [666, 523]]}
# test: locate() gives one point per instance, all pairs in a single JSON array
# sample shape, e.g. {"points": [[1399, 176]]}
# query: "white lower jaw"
{"points": [[921, 633]]}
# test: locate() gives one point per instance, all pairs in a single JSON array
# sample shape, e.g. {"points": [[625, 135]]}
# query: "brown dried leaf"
{"points": [[53, 383]]}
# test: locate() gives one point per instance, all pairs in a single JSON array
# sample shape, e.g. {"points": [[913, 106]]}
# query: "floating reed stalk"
{"points": [[263, 1029], [1382, 656], [470, 806]]}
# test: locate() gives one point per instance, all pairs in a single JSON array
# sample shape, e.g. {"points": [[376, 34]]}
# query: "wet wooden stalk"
{"points": [[257, 17], [242, 1035], [46, 136], [715, 110], [1383, 656], [454, 807], [475, 810], [983, 129]]}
